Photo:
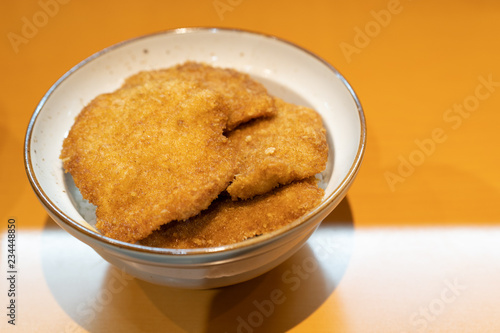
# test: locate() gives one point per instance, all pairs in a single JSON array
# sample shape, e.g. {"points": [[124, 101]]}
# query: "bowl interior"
{"points": [[287, 71]]}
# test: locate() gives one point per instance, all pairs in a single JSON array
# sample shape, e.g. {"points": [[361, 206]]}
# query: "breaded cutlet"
{"points": [[227, 221], [148, 154], [245, 98], [277, 150]]}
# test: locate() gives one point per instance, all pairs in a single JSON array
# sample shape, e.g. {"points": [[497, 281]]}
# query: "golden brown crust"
{"points": [[246, 98], [153, 153], [227, 221], [148, 154], [276, 150]]}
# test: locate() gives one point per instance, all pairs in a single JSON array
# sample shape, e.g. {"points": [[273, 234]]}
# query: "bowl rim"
{"points": [[261, 240]]}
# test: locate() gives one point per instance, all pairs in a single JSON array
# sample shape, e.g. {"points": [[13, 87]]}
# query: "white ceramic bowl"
{"points": [[287, 70]]}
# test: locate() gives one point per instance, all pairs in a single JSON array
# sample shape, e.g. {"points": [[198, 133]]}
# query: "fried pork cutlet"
{"points": [[246, 98], [288, 146], [227, 221], [148, 154]]}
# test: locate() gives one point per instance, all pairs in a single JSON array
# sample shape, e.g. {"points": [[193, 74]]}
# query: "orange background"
{"points": [[413, 64]]}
